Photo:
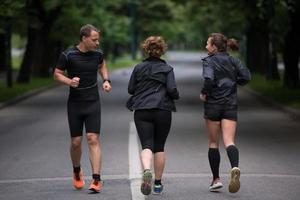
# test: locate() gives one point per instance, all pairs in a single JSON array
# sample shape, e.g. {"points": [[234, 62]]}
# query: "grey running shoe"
{"points": [[146, 185], [234, 184], [215, 185]]}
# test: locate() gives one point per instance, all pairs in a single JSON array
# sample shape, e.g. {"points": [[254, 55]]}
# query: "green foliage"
{"points": [[276, 91], [205, 17], [157, 17], [122, 62], [8, 9], [19, 89]]}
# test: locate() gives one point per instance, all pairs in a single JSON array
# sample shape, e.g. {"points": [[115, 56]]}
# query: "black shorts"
{"points": [[85, 113], [216, 112]]}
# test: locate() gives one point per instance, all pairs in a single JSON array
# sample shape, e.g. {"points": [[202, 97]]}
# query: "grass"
{"points": [[121, 63], [276, 91], [18, 89]]}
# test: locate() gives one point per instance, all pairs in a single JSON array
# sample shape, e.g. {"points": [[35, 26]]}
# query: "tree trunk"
{"points": [[40, 65], [2, 52], [25, 69], [291, 50], [291, 61], [273, 73], [258, 46], [7, 56], [38, 56]]}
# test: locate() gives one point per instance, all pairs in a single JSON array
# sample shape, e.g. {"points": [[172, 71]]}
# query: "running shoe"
{"points": [[157, 189], [96, 186], [146, 185], [78, 181], [234, 184], [215, 185]]}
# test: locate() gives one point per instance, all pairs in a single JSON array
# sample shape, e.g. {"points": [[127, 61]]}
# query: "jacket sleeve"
{"points": [[208, 76], [171, 85], [243, 73], [132, 83]]}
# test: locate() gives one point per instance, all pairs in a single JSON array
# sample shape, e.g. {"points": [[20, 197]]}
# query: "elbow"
{"points": [[130, 91], [174, 94], [55, 76]]}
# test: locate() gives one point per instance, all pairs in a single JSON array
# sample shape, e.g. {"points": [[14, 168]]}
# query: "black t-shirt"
{"points": [[84, 65]]}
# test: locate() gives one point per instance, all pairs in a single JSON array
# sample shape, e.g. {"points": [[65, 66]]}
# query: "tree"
{"points": [[291, 49], [7, 10], [37, 57]]}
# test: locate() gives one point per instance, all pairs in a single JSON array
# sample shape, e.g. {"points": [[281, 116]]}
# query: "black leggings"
{"points": [[153, 127]]}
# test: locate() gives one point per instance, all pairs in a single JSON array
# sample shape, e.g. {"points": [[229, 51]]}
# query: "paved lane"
{"points": [[34, 142]]}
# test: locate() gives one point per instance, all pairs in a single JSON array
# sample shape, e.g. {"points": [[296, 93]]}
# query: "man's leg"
{"points": [[94, 152], [95, 159], [75, 150]]}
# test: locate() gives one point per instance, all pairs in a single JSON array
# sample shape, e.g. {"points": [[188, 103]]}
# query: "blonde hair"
{"points": [[154, 46]]}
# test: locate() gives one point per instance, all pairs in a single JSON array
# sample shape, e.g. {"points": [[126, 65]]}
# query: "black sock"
{"points": [[157, 182], [76, 169], [233, 155], [97, 177], [214, 161]]}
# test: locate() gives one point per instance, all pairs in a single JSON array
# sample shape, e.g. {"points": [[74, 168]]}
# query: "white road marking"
{"points": [[135, 167], [167, 175]]}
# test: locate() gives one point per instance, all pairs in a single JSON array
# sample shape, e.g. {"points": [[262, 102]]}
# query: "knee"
{"points": [[93, 139], [76, 144], [158, 148]]}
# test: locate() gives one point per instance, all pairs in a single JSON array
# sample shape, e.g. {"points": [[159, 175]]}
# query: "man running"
{"points": [[82, 63]]}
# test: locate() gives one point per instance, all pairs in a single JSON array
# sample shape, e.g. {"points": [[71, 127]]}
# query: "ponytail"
{"points": [[233, 44]]}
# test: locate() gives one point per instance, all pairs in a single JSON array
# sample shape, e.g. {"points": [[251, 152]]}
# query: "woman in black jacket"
{"points": [[222, 73], [153, 89]]}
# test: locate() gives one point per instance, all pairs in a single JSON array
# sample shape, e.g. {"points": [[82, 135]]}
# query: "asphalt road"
{"points": [[34, 143]]}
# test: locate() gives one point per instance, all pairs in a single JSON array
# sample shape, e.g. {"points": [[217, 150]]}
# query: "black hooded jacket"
{"points": [[152, 86], [222, 73]]}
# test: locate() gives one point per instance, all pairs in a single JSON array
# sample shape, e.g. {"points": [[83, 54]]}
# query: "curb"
{"points": [[27, 95], [293, 113]]}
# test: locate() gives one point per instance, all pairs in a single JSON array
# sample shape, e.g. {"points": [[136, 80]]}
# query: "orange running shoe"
{"points": [[78, 181], [95, 186]]}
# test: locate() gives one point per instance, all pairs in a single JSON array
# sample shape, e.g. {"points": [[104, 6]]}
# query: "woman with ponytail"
{"points": [[222, 73]]}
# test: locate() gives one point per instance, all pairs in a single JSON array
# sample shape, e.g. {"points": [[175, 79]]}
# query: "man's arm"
{"points": [[59, 76], [104, 75]]}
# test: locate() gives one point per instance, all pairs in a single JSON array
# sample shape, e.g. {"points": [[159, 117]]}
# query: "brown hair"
{"points": [[222, 43], [86, 30], [154, 46]]}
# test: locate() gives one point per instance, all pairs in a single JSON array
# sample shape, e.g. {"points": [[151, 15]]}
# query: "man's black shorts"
{"points": [[217, 112], [85, 113]]}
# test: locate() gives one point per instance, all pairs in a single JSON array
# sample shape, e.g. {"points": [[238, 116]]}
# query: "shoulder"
{"points": [[207, 58], [234, 60], [98, 52], [168, 67], [206, 61], [70, 51]]}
